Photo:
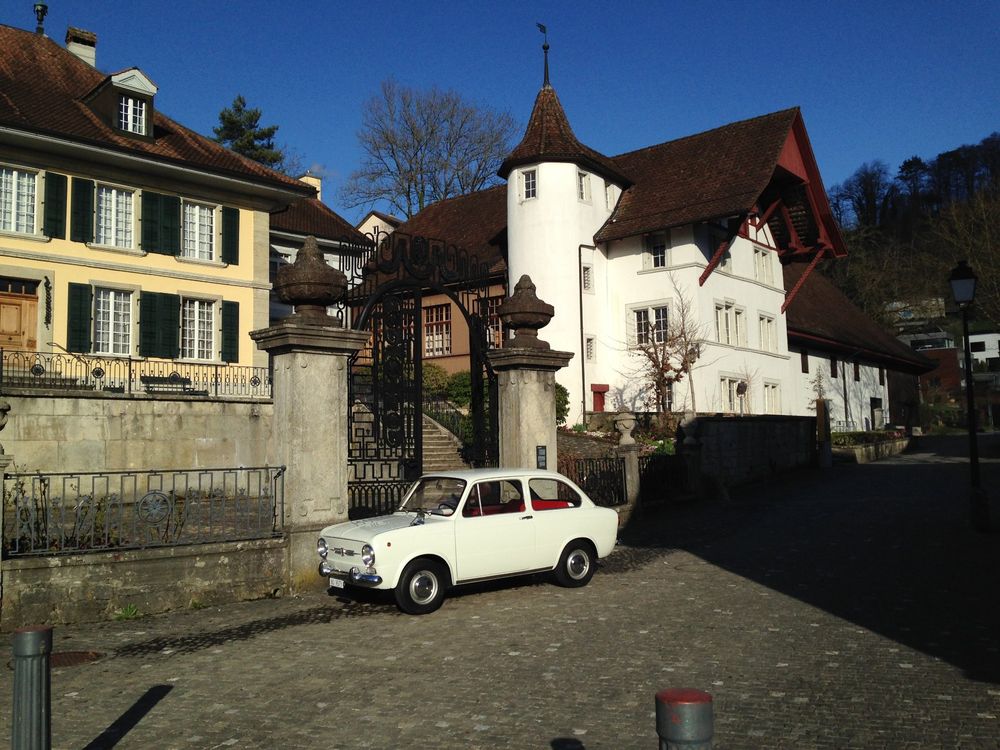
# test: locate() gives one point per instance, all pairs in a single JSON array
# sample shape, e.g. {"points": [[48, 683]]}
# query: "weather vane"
{"points": [[545, 49]]}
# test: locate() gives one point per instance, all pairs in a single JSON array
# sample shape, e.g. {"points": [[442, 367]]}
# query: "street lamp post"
{"points": [[963, 289]]}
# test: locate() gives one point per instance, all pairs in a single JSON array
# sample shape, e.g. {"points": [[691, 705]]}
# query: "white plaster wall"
{"points": [[858, 392]]}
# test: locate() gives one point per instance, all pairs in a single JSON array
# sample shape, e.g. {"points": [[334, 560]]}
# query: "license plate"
{"points": [[336, 583]]}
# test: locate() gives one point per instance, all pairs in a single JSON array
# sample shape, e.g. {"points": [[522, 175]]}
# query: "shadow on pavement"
{"points": [[888, 546], [128, 720]]}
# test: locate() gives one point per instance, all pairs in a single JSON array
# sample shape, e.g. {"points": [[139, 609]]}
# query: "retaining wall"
{"points": [[741, 449]]}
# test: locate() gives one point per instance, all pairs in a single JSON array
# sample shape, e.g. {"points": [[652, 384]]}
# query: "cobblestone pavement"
{"points": [[851, 608]]}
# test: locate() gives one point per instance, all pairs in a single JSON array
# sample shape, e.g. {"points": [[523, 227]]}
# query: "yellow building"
{"points": [[125, 238]]}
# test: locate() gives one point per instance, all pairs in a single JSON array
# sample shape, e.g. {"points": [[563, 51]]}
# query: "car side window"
{"points": [[552, 494], [491, 498]]}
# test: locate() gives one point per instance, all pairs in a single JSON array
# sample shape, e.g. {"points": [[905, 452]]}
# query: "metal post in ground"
{"points": [[31, 728], [684, 719]]}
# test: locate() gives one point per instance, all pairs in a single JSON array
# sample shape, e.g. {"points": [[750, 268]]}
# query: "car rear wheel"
{"points": [[576, 564], [421, 588]]}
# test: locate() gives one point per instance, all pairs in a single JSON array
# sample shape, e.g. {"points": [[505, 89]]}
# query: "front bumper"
{"points": [[355, 575]]}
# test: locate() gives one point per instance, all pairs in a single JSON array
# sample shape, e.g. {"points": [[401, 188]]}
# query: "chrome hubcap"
{"points": [[423, 586], [578, 564]]}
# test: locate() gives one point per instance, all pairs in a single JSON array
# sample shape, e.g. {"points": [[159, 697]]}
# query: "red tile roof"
{"points": [[820, 316], [549, 137], [312, 216], [715, 174], [42, 90]]}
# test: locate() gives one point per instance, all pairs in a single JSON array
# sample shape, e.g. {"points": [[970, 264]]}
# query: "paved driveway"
{"points": [[852, 608]]}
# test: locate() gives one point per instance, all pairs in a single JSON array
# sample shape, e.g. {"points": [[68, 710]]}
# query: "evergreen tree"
{"points": [[239, 129]]}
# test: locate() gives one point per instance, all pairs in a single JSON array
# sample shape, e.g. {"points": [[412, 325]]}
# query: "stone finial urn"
{"points": [[310, 284], [525, 313], [625, 423]]}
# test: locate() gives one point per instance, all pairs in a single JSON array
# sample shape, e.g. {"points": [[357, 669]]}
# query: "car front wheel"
{"points": [[576, 564], [421, 588]]}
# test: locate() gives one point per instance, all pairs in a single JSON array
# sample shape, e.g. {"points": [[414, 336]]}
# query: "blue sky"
{"points": [[875, 80]]}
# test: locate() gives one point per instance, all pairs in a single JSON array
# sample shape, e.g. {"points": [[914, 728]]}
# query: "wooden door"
{"points": [[18, 321]]}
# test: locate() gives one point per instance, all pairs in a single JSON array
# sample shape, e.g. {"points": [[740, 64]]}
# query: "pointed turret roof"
{"points": [[550, 138]]}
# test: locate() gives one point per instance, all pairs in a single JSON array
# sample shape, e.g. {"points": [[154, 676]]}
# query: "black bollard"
{"points": [[684, 719], [32, 723]]}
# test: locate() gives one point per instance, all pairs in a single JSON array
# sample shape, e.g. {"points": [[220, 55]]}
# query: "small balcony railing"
{"points": [[119, 375]]}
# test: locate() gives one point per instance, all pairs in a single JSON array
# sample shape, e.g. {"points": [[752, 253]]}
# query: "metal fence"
{"points": [[78, 372], [379, 498], [603, 479], [46, 514]]}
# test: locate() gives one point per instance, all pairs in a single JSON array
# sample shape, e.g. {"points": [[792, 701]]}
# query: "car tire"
{"points": [[576, 564], [421, 588]]}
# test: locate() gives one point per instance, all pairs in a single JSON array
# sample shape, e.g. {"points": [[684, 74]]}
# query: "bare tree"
{"points": [[424, 146], [667, 349]]}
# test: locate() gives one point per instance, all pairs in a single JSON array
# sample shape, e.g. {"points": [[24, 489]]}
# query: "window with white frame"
{"points": [[641, 327], [730, 326], [114, 216], [197, 329], [132, 114], [739, 326], [772, 398], [768, 338], [728, 392], [437, 330], [609, 195], [762, 266], [198, 239], [589, 348], [656, 251], [583, 186], [112, 321], [650, 325], [529, 184], [660, 324], [587, 278], [17, 199], [494, 326]]}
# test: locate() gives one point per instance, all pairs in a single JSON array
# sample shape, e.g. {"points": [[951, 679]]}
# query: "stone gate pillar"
{"points": [[309, 353], [526, 368]]}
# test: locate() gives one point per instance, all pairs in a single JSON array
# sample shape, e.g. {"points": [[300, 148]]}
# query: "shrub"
{"points": [[460, 388], [435, 379]]}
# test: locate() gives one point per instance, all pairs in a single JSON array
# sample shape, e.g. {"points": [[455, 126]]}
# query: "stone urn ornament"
{"points": [[525, 313], [625, 423], [310, 284]]}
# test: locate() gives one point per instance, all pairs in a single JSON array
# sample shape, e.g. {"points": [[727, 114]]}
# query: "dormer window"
{"points": [[132, 114]]}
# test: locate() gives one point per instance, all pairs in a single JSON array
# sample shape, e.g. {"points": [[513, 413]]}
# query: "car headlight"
{"points": [[368, 555], [321, 548]]}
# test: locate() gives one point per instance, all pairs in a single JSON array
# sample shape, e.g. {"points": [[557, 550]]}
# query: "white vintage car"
{"points": [[458, 527]]}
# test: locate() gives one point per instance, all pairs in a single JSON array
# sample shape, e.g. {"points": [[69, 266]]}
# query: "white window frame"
{"points": [[655, 253], [132, 111], [198, 328], [724, 328], [641, 326], [202, 242], [118, 207], [609, 192], [437, 330], [767, 328], [18, 200], [529, 184], [730, 400], [763, 268], [113, 317], [648, 323], [772, 397], [583, 187]]}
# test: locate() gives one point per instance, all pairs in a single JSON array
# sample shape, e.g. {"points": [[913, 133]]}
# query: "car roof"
{"points": [[475, 475]]}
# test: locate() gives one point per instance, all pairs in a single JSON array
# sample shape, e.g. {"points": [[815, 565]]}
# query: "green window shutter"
{"points": [[159, 325], [170, 224], [161, 223], [79, 310], [54, 221], [82, 211], [151, 222], [230, 331], [230, 236]]}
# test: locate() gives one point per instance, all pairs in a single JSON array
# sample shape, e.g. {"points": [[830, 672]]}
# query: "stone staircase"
{"points": [[442, 450]]}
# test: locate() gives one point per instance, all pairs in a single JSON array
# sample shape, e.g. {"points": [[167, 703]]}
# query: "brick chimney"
{"points": [[83, 44]]}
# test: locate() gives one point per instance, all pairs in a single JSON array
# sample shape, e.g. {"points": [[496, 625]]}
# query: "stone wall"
{"points": [[50, 432], [741, 449], [91, 587]]}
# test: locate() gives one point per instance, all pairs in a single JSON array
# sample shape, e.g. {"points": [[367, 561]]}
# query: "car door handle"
{"points": [[526, 518]]}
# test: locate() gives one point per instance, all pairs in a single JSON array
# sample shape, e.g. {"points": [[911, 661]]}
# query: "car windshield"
{"points": [[439, 495]]}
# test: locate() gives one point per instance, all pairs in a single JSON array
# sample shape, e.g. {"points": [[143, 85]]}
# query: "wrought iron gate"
{"points": [[387, 288]]}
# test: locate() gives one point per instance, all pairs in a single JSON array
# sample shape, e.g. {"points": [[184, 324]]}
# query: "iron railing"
{"points": [[661, 478], [376, 498], [603, 479], [85, 372], [54, 513]]}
